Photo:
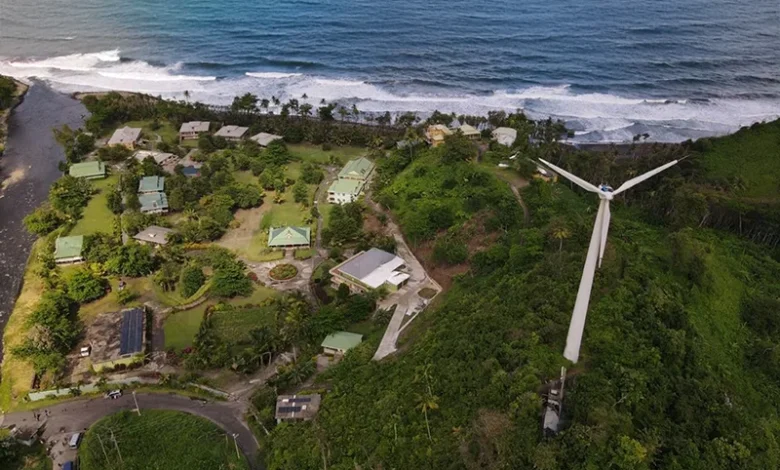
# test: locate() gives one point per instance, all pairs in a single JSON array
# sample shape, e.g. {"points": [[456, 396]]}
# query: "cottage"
{"points": [[505, 136], [153, 235], [337, 344], [117, 339], [289, 237], [344, 191], [161, 158], [193, 129], [358, 169], [436, 133], [469, 131], [263, 138], [151, 184], [68, 249], [234, 133], [369, 270], [153, 203], [127, 136], [297, 407], [92, 170]]}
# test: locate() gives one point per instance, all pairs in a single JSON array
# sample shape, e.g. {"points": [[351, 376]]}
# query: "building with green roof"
{"points": [[151, 184], [337, 344], [92, 170], [358, 169], [289, 237], [344, 191], [153, 203], [68, 249]]}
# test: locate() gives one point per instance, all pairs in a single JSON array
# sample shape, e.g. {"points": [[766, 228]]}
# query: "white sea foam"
{"points": [[593, 116]]}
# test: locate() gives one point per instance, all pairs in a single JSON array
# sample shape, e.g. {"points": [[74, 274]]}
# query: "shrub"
{"points": [[449, 250], [125, 296], [42, 221], [282, 272], [191, 280], [84, 286], [230, 281]]}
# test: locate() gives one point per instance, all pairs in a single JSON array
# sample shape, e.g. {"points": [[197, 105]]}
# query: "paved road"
{"points": [[78, 415]]}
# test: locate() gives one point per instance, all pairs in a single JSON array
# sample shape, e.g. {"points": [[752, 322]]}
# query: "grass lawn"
{"points": [[314, 153], [325, 209], [142, 286], [245, 177], [234, 326], [96, 216], [169, 439], [181, 327], [166, 131], [17, 375], [288, 212]]}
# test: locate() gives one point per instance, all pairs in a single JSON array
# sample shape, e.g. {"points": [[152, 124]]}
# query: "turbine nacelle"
{"points": [[605, 192]]}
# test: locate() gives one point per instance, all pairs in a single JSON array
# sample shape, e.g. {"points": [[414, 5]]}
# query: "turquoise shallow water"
{"points": [[610, 68]]}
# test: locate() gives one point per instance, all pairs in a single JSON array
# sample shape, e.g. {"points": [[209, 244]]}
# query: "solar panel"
{"points": [[131, 341], [300, 400], [289, 409]]}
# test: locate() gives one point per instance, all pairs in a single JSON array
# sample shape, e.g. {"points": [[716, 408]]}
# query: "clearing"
{"points": [[96, 216]]}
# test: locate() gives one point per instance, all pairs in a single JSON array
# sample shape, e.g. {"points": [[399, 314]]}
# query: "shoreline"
{"points": [[21, 91]]}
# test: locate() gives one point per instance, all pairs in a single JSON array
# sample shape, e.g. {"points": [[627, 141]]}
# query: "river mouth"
{"points": [[27, 169]]}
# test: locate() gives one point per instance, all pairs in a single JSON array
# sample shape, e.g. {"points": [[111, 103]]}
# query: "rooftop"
{"points": [[154, 234], [68, 247], [89, 169], [357, 168], [125, 135], [342, 341], [115, 334], [151, 184], [303, 407], [194, 126], [285, 236], [372, 268], [264, 138], [345, 187], [468, 130], [132, 336], [152, 202], [159, 157], [231, 132]]}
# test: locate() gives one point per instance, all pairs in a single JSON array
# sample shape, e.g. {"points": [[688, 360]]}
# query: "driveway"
{"points": [[60, 421]]}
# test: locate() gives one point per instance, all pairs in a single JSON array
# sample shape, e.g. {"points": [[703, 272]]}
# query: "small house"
{"points": [[369, 270], [358, 169], [505, 136], [289, 237], [127, 136], [91, 170], [151, 184], [297, 407], [153, 203], [232, 133], [68, 249], [436, 133], [264, 138], [337, 344], [153, 235], [469, 131], [343, 191], [193, 129], [160, 158]]}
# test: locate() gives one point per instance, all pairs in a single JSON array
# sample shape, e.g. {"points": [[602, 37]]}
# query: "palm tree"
{"points": [[343, 112], [560, 232], [306, 109], [427, 402], [264, 103], [355, 111], [187, 95], [190, 214]]}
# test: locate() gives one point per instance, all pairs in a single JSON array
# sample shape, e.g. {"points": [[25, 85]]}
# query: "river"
{"points": [[27, 169]]}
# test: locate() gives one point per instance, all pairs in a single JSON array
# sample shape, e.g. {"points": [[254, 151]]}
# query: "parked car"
{"points": [[69, 465], [85, 351], [114, 394], [75, 440]]}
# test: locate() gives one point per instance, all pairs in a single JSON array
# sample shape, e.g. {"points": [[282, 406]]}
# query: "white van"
{"points": [[75, 439]]}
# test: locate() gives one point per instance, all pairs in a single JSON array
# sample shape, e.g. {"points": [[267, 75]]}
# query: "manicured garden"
{"points": [[158, 439], [282, 272]]}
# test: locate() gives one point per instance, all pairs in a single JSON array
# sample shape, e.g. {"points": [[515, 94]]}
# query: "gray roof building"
{"points": [[297, 407], [154, 234], [194, 127], [264, 138], [231, 132], [126, 136]]}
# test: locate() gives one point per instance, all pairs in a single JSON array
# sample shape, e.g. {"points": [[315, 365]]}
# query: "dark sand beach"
{"points": [[27, 169]]}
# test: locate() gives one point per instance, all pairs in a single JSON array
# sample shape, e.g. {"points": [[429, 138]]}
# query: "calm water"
{"points": [[611, 68]]}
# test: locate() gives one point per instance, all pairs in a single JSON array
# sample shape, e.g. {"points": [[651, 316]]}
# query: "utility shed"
{"points": [[68, 249], [92, 170], [340, 342], [297, 407]]}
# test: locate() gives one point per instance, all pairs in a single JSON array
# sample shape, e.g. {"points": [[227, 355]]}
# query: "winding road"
{"points": [[63, 419]]}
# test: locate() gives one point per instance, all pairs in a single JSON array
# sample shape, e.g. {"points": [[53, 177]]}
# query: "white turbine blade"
{"points": [[604, 231], [574, 179], [635, 181], [577, 325]]}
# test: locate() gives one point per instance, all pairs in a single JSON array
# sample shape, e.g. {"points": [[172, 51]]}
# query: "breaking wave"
{"points": [[594, 117]]}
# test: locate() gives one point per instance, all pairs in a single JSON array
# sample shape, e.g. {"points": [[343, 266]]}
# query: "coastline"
{"points": [[21, 91]]}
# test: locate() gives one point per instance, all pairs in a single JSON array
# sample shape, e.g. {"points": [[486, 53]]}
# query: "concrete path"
{"points": [[61, 421]]}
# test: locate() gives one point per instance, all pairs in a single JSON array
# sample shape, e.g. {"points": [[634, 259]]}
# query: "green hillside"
{"points": [[680, 364]]}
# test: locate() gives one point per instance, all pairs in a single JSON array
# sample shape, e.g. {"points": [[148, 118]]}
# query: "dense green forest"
{"points": [[680, 362]]}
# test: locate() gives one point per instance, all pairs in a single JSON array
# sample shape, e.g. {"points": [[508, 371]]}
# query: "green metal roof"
{"points": [[153, 201], [342, 341], [286, 236], [358, 168], [68, 247], [345, 186], [151, 183], [93, 169]]}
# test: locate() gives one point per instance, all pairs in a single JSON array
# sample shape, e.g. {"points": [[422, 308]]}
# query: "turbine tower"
{"points": [[598, 241]]}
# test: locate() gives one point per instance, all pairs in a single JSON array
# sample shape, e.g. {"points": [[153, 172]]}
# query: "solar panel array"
{"points": [[289, 409], [132, 338], [300, 400]]}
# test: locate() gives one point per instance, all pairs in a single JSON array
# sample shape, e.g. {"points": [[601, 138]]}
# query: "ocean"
{"points": [[611, 69]]}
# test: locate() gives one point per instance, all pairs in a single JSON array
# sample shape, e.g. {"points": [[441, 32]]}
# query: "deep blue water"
{"points": [[611, 68]]}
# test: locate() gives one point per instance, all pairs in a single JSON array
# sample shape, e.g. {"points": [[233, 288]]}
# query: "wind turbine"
{"points": [[598, 241]]}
